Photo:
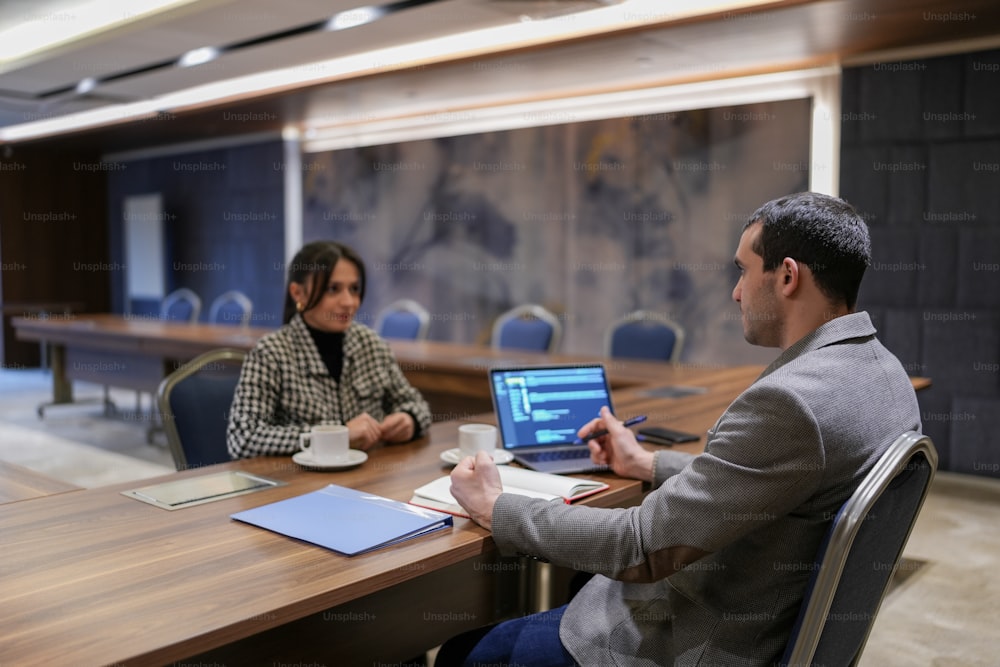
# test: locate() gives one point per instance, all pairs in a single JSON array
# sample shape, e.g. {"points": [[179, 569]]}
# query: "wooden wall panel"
{"points": [[53, 238]]}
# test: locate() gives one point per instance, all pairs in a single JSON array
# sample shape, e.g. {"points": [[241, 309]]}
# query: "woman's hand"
{"points": [[398, 427], [364, 431]]}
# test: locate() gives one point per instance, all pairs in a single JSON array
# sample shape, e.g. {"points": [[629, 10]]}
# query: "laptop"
{"points": [[539, 410]]}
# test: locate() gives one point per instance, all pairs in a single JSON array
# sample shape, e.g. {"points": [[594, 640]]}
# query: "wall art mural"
{"points": [[590, 219]]}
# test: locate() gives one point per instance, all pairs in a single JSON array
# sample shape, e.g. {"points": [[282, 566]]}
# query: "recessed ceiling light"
{"points": [[86, 85], [198, 56], [352, 18]]}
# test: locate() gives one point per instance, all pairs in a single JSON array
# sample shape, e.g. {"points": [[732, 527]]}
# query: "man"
{"points": [[712, 566]]}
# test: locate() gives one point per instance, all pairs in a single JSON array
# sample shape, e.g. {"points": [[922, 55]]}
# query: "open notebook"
{"points": [[437, 495], [539, 410]]}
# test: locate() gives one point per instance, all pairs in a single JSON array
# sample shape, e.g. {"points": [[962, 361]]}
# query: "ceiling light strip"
{"points": [[796, 84], [463, 45]]}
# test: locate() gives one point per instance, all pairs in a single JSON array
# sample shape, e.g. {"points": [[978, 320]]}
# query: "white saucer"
{"points": [[354, 457], [453, 456]]}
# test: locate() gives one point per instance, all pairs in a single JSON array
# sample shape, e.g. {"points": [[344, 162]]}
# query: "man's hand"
{"points": [[618, 449], [398, 427], [475, 484]]}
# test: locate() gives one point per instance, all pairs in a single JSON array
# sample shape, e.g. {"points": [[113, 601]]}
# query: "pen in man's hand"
{"points": [[597, 434]]}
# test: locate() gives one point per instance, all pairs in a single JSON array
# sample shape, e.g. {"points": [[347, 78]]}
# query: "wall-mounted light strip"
{"points": [[822, 85]]}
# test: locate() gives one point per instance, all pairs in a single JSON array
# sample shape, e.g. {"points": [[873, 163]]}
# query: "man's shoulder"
{"points": [[846, 358], [848, 377]]}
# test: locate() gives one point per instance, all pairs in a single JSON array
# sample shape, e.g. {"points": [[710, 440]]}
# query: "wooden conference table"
{"points": [[19, 483], [95, 577], [138, 353], [123, 351]]}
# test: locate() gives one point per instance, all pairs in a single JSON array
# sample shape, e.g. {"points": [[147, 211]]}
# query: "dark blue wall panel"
{"points": [[223, 222], [921, 159]]}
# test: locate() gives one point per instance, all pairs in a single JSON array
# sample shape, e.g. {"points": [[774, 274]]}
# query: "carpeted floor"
{"points": [[941, 610]]}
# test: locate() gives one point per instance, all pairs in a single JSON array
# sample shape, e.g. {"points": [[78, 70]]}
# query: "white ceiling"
{"points": [[685, 41], [43, 85]]}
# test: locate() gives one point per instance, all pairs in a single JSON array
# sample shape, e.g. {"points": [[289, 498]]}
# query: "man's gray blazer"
{"points": [[777, 466]]}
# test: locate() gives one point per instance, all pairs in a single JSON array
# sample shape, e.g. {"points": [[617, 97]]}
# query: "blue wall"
{"points": [[223, 220]]}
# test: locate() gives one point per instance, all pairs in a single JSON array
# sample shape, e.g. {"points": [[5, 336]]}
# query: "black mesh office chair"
{"points": [[194, 404], [859, 554]]}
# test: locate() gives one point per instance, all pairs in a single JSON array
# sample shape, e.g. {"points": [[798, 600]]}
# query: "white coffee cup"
{"points": [[474, 438], [326, 443]]}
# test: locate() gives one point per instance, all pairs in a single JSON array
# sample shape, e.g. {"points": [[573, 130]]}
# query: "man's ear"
{"points": [[789, 276]]}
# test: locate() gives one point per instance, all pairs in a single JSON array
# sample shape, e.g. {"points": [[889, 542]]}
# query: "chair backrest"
{"points": [[527, 327], [194, 404], [859, 554], [644, 335], [232, 307], [181, 305], [403, 319]]}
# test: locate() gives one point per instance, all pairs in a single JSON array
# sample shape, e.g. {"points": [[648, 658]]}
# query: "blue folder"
{"points": [[345, 520]]}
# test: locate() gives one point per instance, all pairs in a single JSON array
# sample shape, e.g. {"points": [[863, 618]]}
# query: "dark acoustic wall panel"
{"points": [[921, 159], [223, 220], [53, 241]]}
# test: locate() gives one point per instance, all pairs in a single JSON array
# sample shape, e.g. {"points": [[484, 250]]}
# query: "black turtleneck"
{"points": [[331, 350]]}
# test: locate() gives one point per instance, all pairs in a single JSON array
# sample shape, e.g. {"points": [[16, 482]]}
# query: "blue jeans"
{"points": [[522, 642]]}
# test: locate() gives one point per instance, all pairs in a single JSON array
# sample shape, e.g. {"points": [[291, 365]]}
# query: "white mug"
{"points": [[326, 443], [474, 438]]}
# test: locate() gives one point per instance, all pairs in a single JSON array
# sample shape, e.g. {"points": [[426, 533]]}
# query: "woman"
{"points": [[322, 367]]}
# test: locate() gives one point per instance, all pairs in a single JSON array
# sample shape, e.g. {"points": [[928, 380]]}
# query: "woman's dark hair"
{"points": [[317, 259], [824, 233]]}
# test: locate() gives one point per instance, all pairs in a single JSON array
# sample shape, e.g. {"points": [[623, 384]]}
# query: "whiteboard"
{"points": [[144, 254]]}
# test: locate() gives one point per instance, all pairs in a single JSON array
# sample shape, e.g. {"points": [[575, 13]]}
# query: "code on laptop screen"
{"points": [[547, 406]]}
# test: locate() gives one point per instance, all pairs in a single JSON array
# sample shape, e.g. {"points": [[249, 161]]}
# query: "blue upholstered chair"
{"points": [[527, 327], [232, 307], [405, 319], [194, 405], [644, 335], [181, 305], [859, 555]]}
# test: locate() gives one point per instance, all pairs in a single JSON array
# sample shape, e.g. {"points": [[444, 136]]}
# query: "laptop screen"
{"points": [[542, 406]]}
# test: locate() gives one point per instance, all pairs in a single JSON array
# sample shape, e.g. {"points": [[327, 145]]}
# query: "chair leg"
{"points": [[110, 409], [154, 422]]}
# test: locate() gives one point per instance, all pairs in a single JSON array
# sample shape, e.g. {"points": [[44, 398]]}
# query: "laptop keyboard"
{"points": [[557, 455]]}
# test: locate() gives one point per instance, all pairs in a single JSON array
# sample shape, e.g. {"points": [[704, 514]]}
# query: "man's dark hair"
{"points": [[824, 233], [317, 259]]}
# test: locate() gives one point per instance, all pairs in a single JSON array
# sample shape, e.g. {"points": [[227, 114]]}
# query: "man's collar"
{"points": [[837, 330]]}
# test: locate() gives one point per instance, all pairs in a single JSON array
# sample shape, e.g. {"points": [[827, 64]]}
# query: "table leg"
{"points": [[62, 387]]}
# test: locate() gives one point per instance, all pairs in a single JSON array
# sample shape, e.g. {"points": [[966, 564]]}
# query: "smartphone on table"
{"points": [[659, 435]]}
